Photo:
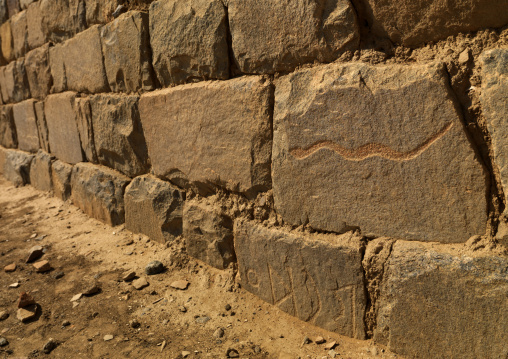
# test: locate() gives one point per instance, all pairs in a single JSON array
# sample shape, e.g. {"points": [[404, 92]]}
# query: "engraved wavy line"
{"points": [[369, 150]]}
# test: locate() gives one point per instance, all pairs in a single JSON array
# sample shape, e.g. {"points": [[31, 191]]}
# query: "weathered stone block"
{"points": [[38, 72], [42, 126], [315, 277], [495, 107], [8, 137], [19, 34], [57, 68], [26, 125], [84, 118], [126, 49], [6, 43], [100, 11], [189, 40], [381, 148], [196, 132], [444, 298], [208, 233], [98, 191], [414, 23], [63, 133], [61, 179], [13, 6], [14, 82], [4, 15], [62, 19], [36, 35], [3, 159], [154, 208], [290, 33], [17, 167], [25, 3], [40, 172]]}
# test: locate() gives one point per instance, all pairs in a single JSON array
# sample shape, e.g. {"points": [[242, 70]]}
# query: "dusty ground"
{"points": [[87, 251]]}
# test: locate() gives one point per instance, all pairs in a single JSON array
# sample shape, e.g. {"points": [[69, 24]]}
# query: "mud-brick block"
{"points": [[211, 134], [36, 35], [8, 137], [19, 34], [154, 208], [189, 40], [382, 148], [63, 133], [14, 82], [317, 278], [40, 172], [26, 125], [100, 11], [61, 179], [275, 36], [452, 301], [38, 72], [17, 167], [208, 233], [126, 49], [6, 43], [62, 19], [99, 191], [42, 126]]}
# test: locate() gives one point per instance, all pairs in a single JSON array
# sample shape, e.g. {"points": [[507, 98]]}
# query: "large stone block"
{"points": [[6, 43], [211, 133], [8, 137], [17, 167], [189, 40], [84, 118], [19, 34], [14, 82], [494, 101], [40, 172], [414, 23], [100, 11], [63, 133], [42, 126], [98, 191], [126, 49], [315, 277], [62, 19], [275, 36], [439, 302], [34, 21], [38, 72], [381, 148], [61, 179], [26, 125], [208, 233], [154, 208]]}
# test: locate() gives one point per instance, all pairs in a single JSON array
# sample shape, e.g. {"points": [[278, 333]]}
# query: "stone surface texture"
{"points": [[278, 36], [189, 40], [36, 36], [8, 137], [381, 148], [14, 82], [26, 125], [13, 7], [40, 172], [85, 128], [197, 132], [62, 19], [17, 167], [19, 34], [6, 43], [38, 72], [42, 126], [4, 15], [99, 11], [61, 179]]}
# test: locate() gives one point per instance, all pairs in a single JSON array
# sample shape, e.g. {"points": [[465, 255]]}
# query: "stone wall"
{"points": [[348, 158]]}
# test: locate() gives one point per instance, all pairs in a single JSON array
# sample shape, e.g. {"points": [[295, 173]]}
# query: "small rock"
{"points": [[128, 275], [14, 285], [27, 313], [219, 333], [50, 346], [3, 342], [66, 323], [319, 340], [464, 57], [257, 349], [163, 345], [154, 267], [3, 315], [332, 353], [42, 266], [180, 284], [75, 304], [92, 289], [128, 242], [108, 337], [185, 354], [306, 340], [35, 253], [119, 10], [140, 283], [202, 319], [134, 323], [10, 268], [227, 307], [76, 297], [330, 345], [58, 275], [232, 353], [25, 300], [182, 309], [33, 236]]}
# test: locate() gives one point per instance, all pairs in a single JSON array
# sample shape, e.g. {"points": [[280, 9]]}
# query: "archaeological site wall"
{"points": [[348, 158]]}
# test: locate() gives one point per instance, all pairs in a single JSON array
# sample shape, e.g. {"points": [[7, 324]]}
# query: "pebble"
{"points": [[14, 285], [332, 353], [3, 342], [58, 275], [185, 354], [319, 340], [50, 346], [76, 297], [257, 349], [219, 333], [180, 284], [182, 309], [134, 323], [232, 353], [66, 323], [27, 313], [10, 268], [129, 242], [140, 283], [92, 289], [163, 345], [464, 57], [25, 300], [330, 345], [202, 319], [34, 253], [108, 337], [128, 275], [3, 315], [154, 267], [306, 340], [42, 266]]}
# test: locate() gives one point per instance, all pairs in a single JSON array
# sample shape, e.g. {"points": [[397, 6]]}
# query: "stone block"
{"points": [[42, 126], [100, 11], [438, 301], [84, 118], [317, 278], [19, 34], [8, 137], [4, 13], [208, 233], [380, 148], [63, 133], [36, 36], [6, 43], [126, 49], [25, 3], [414, 23], [13, 6], [189, 40], [14, 82], [118, 135], [17, 167], [57, 68], [196, 132], [26, 125], [494, 64], [98, 191], [62, 19], [61, 179], [154, 208], [38, 72], [3, 158], [290, 33], [40, 172]]}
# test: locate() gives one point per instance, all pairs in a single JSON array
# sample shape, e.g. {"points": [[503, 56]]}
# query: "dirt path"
{"points": [[172, 321]]}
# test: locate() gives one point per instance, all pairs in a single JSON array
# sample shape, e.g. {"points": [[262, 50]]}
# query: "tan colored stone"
{"points": [[23, 4], [98, 191], [208, 233], [382, 148], [26, 125], [4, 15], [273, 36], [62, 19], [6, 43], [154, 208], [189, 40], [3, 159], [140, 283], [38, 72], [61, 179], [180, 284], [57, 68], [62, 129], [42, 266], [444, 298], [28, 313], [126, 49], [19, 34], [8, 137], [197, 132], [34, 253], [17, 167], [36, 36], [13, 6], [40, 172], [42, 126], [85, 128], [100, 11], [317, 278], [14, 82], [10, 268]]}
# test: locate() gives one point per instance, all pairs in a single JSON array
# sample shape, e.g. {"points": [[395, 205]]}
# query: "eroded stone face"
{"points": [[189, 40], [100, 11], [211, 134], [434, 290], [6, 42], [381, 148], [85, 128], [62, 19], [19, 34], [290, 33], [38, 72], [61, 179], [17, 167], [42, 126], [40, 172], [317, 278], [26, 125], [8, 137], [14, 82], [36, 36]]}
